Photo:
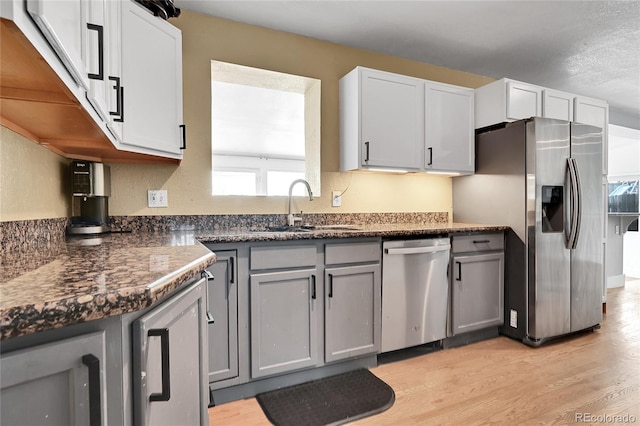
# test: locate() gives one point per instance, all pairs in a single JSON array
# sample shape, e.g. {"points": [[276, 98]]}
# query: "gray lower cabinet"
{"points": [[477, 291], [352, 312], [58, 383], [284, 317], [222, 305], [170, 363], [284, 310], [352, 300]]}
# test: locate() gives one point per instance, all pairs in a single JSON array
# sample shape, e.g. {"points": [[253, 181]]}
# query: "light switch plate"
{"points": [[157, 198]]}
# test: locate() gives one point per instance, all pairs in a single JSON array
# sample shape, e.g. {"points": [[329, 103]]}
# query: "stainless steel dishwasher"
{"points": [[415, 292]]}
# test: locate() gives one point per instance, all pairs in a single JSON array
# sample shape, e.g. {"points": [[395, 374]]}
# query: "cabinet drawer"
{"points": [[478, 242], [282, 257], [352, 253]]}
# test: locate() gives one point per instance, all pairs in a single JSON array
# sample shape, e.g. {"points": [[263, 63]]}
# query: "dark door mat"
{"points": [[330, 401]]}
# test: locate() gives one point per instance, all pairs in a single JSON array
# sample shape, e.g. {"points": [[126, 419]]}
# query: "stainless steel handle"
{"points": [[418, 250], [578, 201], [95, 407], [163, 333], [572, 239]]}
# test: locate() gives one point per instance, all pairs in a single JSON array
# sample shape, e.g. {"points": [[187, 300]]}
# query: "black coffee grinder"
{"points": [[91, 189]]}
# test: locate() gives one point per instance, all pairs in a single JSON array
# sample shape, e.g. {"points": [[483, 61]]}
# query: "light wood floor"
{"points": [[502, 381]]}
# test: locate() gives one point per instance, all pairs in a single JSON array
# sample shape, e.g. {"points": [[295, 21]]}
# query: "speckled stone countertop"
{"points": [[400, 230], [73, 280], [83, 279]]}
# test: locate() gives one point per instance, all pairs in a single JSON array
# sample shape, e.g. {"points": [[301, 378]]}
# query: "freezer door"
{"points": [[586, 259], [548, 298]]}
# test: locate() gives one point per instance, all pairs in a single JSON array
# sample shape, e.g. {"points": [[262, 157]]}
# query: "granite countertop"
{"points": [[400, 230], [83, 279]]}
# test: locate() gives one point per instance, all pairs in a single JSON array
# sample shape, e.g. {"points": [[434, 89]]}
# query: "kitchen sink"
{"points": [[309, 228], [339, 227], [286, 228]]}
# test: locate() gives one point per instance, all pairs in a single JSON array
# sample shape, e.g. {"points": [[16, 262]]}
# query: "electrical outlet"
{"points": [[157, 198], [336, 198], [513, 318]]}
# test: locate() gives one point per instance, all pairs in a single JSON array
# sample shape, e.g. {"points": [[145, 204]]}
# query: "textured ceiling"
{"points": [[591, 48]]}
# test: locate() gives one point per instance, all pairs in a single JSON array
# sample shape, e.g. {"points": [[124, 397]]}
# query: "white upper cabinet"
{"points": [[558, 105], [150, 95], [117, 62], [64, 24], [596, 113], [523, 100], [506, 100], [381, 121], [400, 123], [449, 136]]}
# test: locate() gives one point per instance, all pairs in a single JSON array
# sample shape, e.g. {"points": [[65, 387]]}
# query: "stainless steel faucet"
{"points": [[291, 218]]}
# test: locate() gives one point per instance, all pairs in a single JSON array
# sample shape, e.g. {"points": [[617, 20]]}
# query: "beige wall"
{"points": [[205, 38], [189, 185], [33, 183]]}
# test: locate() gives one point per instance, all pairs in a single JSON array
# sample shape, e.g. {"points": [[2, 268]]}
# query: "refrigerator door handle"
{"points": [[578, 205], [574, 204]]}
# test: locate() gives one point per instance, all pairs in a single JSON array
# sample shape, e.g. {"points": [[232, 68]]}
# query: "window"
{"points": [[264, 131]]}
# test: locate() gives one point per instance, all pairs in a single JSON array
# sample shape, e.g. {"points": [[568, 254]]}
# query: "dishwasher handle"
{"points": [[418, 250]]}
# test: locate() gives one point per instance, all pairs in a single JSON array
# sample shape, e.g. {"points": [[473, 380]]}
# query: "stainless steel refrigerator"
{"points": [[543, 178]]}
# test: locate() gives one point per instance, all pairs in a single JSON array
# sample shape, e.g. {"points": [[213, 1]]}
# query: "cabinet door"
{"points": [[392, 114], [284, 319], [523, 100], [151, 81], [170, 361], [352, 311], [60, 383], [449, 136], [477, 292], [64, 25], [596, 113], [558, 105], [222, 304]]}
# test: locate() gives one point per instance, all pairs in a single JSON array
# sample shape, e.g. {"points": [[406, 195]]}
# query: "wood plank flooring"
{"points": [[501, 381]]}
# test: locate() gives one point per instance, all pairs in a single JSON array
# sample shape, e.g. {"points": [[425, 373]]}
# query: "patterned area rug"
{"points": [[330, 401]]}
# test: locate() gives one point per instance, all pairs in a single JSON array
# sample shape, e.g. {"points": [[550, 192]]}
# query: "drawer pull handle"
{"points": [[93, 365], [163, 333], [459, 271], [366, 156], [481, 241], [313, 286]]}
